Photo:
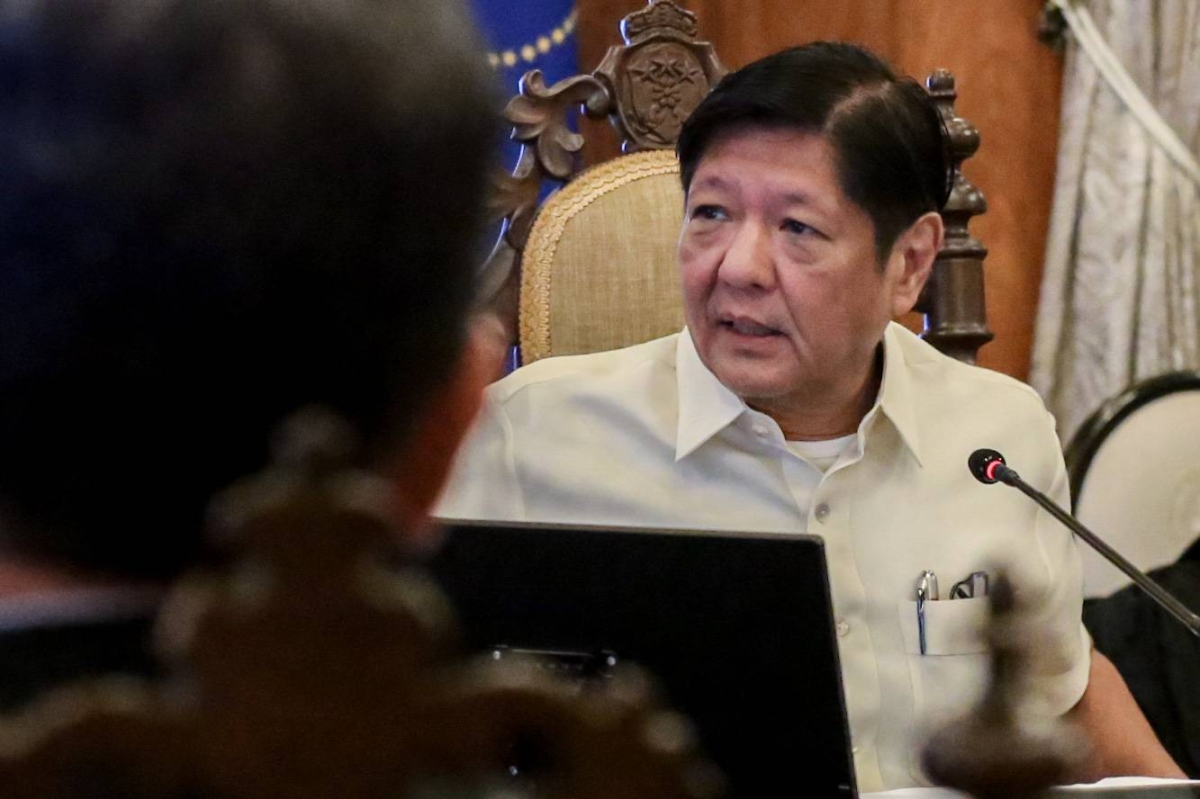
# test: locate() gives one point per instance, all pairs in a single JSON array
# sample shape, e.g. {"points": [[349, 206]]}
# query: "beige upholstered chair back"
{"points": [[598, 272]]}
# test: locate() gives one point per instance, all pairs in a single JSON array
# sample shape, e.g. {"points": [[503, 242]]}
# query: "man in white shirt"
{"points": [[792, 403]]}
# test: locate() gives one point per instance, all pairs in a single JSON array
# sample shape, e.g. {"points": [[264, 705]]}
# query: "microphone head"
{"points": [[984, 464]]}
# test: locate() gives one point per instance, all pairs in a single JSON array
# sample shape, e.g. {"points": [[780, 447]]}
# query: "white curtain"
{"points": [[1121, 287]]}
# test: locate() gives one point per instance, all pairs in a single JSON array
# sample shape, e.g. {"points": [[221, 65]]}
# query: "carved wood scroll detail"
{"points": [[312, 668], [540, 119], [953, 300]]}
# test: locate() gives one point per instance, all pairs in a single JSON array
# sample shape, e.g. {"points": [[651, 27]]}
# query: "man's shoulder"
{"points": [[594, 373], [555, 429], [942, 379]]}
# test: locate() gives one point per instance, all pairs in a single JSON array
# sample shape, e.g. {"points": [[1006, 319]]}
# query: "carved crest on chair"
{"points": [[312, 668], [658, 76]]}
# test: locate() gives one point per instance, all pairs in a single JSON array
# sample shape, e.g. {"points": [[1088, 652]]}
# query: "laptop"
{"points": [[737, 630]]}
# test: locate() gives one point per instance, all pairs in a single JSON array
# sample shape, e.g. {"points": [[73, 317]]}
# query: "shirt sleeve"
{"points": [[1061, 654], [483, 482]]}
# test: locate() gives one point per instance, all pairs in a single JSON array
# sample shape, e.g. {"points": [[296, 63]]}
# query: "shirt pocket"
{"points": [[950, 676]]}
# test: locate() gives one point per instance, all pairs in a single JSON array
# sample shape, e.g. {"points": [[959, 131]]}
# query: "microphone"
{"points": [[989, 467]]}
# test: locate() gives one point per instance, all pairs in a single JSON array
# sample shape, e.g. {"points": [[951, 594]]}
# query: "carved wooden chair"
{"points": [[312, 668], [594, 267]]}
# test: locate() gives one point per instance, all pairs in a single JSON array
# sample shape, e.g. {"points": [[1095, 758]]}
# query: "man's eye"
{"points": [[713, 212], [796, 228]]}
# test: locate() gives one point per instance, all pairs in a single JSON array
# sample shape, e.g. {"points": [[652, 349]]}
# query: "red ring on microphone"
{"points": [[990, 469]]}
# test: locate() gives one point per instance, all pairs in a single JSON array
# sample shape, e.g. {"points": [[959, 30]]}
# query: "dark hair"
{"points": [[886, 132], [215, 213]]}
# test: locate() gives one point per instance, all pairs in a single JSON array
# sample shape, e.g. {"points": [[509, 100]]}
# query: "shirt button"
{"points": [[854, 749], [822, 512], [760, 431], [843, 628]]}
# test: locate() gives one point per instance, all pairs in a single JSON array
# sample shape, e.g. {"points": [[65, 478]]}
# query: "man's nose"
{"points": [[748, 263]]}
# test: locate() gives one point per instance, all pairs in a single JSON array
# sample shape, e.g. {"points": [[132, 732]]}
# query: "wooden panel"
{"points": [[1010, 86]]}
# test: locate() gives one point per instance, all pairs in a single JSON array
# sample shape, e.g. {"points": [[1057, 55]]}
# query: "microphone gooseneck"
{"points": [[988, 466]]}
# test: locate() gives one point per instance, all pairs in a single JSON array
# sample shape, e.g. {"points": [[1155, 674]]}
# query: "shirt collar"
{"points": [[896, 390], [705, 405]]}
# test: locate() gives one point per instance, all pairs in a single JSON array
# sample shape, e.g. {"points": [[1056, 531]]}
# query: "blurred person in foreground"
{"points": [[214, 214]]}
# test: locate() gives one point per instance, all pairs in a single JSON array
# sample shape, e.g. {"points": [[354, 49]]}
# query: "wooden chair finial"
{"points": [[953, 299], [661, 15]]}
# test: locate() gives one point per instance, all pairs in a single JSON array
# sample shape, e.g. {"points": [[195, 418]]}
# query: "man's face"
{"points": [[783, 292]]}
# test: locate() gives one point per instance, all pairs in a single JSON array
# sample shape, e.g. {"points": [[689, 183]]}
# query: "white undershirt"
{"points": [[822, 454]]}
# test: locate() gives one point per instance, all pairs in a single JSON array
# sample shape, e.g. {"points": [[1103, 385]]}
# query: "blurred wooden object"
{"points": [[996, 751], [647, 87], [311, 668]]}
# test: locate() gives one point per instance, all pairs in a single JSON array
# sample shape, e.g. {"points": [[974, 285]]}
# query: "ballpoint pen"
{"points": [[927, 591]]}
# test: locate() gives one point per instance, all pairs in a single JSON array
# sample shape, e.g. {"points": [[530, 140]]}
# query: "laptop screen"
{"points": [[737, 630]]}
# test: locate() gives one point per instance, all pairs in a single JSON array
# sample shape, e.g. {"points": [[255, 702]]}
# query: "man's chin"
{"points": [[752, 387]]}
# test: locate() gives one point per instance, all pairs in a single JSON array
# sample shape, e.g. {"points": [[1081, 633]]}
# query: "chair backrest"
{"points": [[312, 668], [593, 277], [594, 267], [1135, 476]]}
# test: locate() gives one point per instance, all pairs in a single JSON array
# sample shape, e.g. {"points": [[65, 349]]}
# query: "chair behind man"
{"points": [[594, 268], [1134, 477], [1134, 480]]}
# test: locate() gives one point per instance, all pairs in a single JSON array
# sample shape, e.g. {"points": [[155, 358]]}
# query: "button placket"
{"points": [[830, 518]]}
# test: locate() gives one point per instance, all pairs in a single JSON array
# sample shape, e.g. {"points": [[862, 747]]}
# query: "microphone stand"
{"points": [[1155, 591]]}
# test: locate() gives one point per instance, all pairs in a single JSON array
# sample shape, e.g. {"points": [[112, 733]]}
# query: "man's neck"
{"points": [[831, 414]]}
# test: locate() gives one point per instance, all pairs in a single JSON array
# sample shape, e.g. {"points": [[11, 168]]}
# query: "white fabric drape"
{"points": [[1121, 288]]}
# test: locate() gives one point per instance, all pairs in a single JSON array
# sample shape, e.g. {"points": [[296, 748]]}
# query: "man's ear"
{"points": [[911, 260], [421, 469]]}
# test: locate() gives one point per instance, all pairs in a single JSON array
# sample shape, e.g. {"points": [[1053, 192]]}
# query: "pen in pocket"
{"points": [[927, 591]]}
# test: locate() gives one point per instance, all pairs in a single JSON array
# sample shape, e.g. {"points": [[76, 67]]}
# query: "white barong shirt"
{"points": [[647, 436]]}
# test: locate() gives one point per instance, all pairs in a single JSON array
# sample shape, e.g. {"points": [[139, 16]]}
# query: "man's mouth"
{"points": [[745, 326]]}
